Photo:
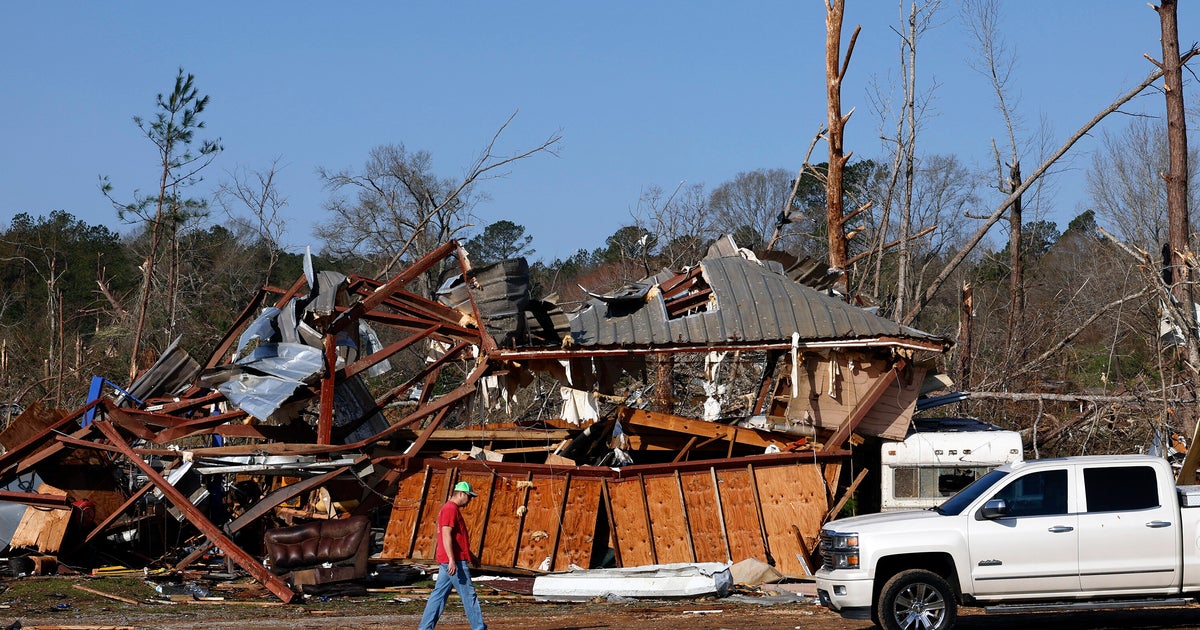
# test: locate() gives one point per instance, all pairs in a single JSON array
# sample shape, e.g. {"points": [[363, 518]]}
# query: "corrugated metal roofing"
{"points": [[752, 304]]}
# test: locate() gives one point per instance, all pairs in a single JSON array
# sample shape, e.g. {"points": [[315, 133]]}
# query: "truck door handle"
{"points": [[1058, 529], [1157, 524]]}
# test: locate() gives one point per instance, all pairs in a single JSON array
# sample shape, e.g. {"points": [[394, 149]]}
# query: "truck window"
{"points": [[959, 502], [1036, 494], [1120, 488]]}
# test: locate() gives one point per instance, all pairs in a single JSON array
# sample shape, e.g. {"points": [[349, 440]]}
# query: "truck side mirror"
{"points": [[994, 508]]}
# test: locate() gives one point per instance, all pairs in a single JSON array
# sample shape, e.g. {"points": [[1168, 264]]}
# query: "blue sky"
{"points": [[643, 93]]}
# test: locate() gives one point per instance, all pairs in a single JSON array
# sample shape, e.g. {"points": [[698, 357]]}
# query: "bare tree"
{"points": [[998, 213], [681, 223], [255, 192], [997, 63], [918, 22], [835, 72], [749, 207], [1124, 182], [1177, 177], [401, 209]]}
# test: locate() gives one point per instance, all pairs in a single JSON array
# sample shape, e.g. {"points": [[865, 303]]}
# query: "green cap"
{"points": [[463, 486]]}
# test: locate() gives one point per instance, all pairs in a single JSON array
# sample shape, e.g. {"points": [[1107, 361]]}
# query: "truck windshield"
{"points": [[959, 502]]}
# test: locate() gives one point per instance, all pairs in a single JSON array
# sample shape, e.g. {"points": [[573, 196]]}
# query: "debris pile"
{"points": [[695, 416]]}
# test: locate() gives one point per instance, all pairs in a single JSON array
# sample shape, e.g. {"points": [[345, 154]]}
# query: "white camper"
{"points": [[939, 457]]}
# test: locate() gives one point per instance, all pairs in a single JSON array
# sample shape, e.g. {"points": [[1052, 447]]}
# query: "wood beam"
{"points": [[692, 427], [197, 518]]}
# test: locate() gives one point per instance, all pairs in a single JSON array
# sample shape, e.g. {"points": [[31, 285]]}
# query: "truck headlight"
{"points": [[839, 550]]}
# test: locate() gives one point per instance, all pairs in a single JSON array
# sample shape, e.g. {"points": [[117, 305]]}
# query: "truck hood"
{"points": [[885, 520]]}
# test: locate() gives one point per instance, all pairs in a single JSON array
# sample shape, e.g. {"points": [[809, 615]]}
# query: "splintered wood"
{"points": [[42, 528]]}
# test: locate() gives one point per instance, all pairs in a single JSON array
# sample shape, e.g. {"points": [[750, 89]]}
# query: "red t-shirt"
{"points": [[451, 517]]}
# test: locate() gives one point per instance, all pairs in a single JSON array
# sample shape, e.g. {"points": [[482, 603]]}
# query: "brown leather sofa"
{"points": [[320, 552]]}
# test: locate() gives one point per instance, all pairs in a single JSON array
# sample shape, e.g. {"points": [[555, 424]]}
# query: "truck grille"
{"points": [[823, 549]]}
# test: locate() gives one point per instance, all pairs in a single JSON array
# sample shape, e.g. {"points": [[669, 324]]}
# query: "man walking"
{"points": [[453, 555]]}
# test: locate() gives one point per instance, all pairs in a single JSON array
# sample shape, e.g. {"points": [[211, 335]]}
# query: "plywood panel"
{"points": [[499, 540], [435, 498], [576, 536], [629, 517], [791, 495], [704, 517], [401, 531], [475, 514], [42, 528], [29, 424], [544, 503], [741, 515], [667, 522]]}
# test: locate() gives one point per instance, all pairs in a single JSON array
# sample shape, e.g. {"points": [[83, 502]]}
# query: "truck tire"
{"points": [[916, 600]]}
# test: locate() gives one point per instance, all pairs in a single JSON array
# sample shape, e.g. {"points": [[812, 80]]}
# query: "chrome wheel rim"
{"points": [[919, 607]]}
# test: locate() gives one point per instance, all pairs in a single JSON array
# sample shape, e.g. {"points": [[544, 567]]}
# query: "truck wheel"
{"points": [[916, 600]]}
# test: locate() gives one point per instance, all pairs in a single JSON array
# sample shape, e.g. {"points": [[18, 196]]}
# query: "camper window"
{"points": [[912, 482]]}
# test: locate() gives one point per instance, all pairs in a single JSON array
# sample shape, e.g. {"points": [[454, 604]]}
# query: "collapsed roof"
{"points": [[288, 380]]}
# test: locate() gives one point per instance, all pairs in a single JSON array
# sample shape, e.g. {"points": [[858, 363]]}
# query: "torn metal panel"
{"points": [[251, 564], [741, 311], [288, 361], [356, 416], [501, 292], [173, 373], [267, 464]]}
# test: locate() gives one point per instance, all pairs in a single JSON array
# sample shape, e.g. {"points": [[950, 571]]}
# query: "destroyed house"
{"points": [[301, 415]]}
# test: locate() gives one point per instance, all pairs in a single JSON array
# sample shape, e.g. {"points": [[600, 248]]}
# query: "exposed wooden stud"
{"points": [[862, 474], [197, 518], [687, 523], [328, 386], [523, 509], [412, 536], [487, 509], [684, 451], [606, 498], [721, 513], [762, 524], [562, 511], [649, 525]]}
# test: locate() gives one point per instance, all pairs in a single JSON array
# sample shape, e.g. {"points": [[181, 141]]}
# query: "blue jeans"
{"points": [[461, 581]]}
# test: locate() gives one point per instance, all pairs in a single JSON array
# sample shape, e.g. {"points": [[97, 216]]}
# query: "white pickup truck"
{"points": [[1072, 533]]}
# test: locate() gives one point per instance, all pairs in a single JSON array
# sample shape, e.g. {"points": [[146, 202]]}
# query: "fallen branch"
{"points": [[1034, 396], [107, 595]]}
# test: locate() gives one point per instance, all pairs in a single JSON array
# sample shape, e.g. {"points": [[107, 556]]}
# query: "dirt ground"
{"points": [[61, 603]]}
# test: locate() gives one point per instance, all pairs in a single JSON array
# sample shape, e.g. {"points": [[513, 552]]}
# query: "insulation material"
{"points": [[579, 406]]}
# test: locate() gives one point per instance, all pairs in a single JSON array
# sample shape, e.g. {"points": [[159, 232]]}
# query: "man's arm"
{"points": [[448, 546]]}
